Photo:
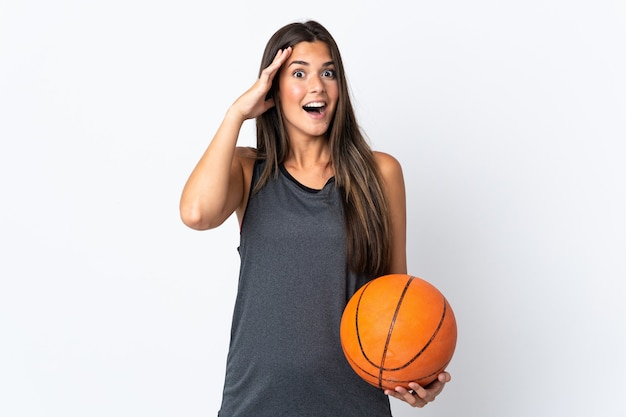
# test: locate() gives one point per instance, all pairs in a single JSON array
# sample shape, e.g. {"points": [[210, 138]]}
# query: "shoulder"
{"points": [[388, 166]]}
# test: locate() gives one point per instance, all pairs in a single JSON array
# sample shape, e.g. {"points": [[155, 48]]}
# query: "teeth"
{"points": [[316, 104]]}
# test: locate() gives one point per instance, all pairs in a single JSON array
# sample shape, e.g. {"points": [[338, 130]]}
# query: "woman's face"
{"points": [[308, 90]]}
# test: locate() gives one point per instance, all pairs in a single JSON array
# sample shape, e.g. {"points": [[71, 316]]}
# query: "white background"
{"points": [[509, 118]]}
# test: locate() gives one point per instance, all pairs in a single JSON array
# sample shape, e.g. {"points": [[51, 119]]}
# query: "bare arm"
{"points": [[216, 186], [393, 182]]}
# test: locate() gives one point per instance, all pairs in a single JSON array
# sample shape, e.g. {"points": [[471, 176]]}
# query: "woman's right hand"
{"points": [[252, 103]]}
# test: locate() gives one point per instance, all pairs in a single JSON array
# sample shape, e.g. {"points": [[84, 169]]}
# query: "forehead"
{"points": [[310, 52]]}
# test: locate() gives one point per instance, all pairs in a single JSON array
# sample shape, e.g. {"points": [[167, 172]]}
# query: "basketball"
{"points": [[398, 329]]}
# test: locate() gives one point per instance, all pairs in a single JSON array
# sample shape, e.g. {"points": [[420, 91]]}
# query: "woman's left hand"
{"points": [[419, 396]]}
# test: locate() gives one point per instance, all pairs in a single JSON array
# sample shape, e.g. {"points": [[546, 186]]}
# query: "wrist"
{"points": [[233, 115]]}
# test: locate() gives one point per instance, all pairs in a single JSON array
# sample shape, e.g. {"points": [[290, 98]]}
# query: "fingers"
{"points": [[267, 75], [418, 396], [410, 397], [444, 377]]}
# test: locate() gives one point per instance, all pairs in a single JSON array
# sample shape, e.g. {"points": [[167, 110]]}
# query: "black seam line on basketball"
{"points": [[356, 325], [358, 335], [365, 371], [423, 377], [393, 323], [437, 372], [402, 381], [395, 380], [443, 316]]}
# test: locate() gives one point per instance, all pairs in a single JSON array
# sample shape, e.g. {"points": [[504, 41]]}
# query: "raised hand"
{"points": [[252, 103]]}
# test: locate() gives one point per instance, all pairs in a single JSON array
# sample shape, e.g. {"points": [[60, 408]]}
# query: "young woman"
{"points": [[320, 214]]}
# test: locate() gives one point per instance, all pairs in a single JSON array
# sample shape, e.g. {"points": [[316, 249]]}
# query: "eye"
{"points": [[298, 74], [329, 73]]}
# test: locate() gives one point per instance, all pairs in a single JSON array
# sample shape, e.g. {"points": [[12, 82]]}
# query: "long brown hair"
{"points": [[368, 232]]}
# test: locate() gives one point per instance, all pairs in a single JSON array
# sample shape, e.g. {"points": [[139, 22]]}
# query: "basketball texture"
{"points": [[398, 329]]}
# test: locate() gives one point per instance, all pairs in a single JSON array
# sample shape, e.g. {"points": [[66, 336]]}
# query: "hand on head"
{"points": [[253, 102]]}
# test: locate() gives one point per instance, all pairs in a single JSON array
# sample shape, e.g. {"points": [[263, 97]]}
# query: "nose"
{"points": [[316, 84]]}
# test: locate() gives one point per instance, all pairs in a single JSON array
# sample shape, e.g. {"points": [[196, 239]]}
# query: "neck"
{"points": [[310, 163], [309, 154]]}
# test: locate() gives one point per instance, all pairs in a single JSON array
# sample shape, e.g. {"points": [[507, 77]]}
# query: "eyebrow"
{"points": [[326, 64]]}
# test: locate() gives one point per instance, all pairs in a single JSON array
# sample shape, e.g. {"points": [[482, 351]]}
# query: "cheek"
{"points": [[291, 93], [332, 89], [333, 93]]}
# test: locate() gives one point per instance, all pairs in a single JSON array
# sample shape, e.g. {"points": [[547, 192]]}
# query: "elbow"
{"points": [[197, 218], [191, 221], [193, 218]]}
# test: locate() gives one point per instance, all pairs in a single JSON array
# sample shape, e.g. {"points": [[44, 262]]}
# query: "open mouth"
{"points": [[315, 107]]}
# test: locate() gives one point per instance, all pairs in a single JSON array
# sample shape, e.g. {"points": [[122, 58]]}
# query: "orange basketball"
{"points": [[398, 329]]}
